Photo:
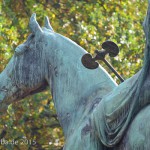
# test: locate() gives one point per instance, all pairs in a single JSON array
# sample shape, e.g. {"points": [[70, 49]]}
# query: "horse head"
{"points": [[26, 73]]}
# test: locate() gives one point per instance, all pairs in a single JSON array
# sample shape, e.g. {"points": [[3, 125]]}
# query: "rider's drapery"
{"points": [[117, 109]]}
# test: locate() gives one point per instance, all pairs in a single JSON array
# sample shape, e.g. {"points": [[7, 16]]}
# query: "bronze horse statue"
{"points": [[95, 115]]}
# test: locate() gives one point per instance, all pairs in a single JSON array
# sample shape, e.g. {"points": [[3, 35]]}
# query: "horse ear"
{"points": [[47, 24], [33, 24]]}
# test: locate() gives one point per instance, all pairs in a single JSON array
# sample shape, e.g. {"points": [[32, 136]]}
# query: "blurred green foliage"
{"points": [[87, 22]]}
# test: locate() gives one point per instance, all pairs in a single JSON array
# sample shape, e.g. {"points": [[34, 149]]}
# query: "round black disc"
{"points": [[88, 62], [111, 47]]}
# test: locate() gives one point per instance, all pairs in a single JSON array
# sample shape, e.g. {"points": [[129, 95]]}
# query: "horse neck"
{"points": [[73, 85]]}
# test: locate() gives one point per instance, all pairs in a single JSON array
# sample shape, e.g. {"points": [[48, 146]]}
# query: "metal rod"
{"points": [[113, 70]]}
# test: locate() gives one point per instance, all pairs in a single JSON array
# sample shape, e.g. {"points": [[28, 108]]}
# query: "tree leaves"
{"points": [[89, 23]]}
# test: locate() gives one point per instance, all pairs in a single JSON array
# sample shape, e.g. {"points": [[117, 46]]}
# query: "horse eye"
{"points": [[21, 49]]}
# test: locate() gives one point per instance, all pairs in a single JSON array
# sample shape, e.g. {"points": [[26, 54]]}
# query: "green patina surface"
{"points": [[94, 114]]}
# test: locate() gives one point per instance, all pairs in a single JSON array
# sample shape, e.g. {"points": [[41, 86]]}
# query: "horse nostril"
{"points": [[2, 96]]}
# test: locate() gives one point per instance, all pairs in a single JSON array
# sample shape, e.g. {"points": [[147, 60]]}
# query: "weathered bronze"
{"points": [[95, 115]]}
